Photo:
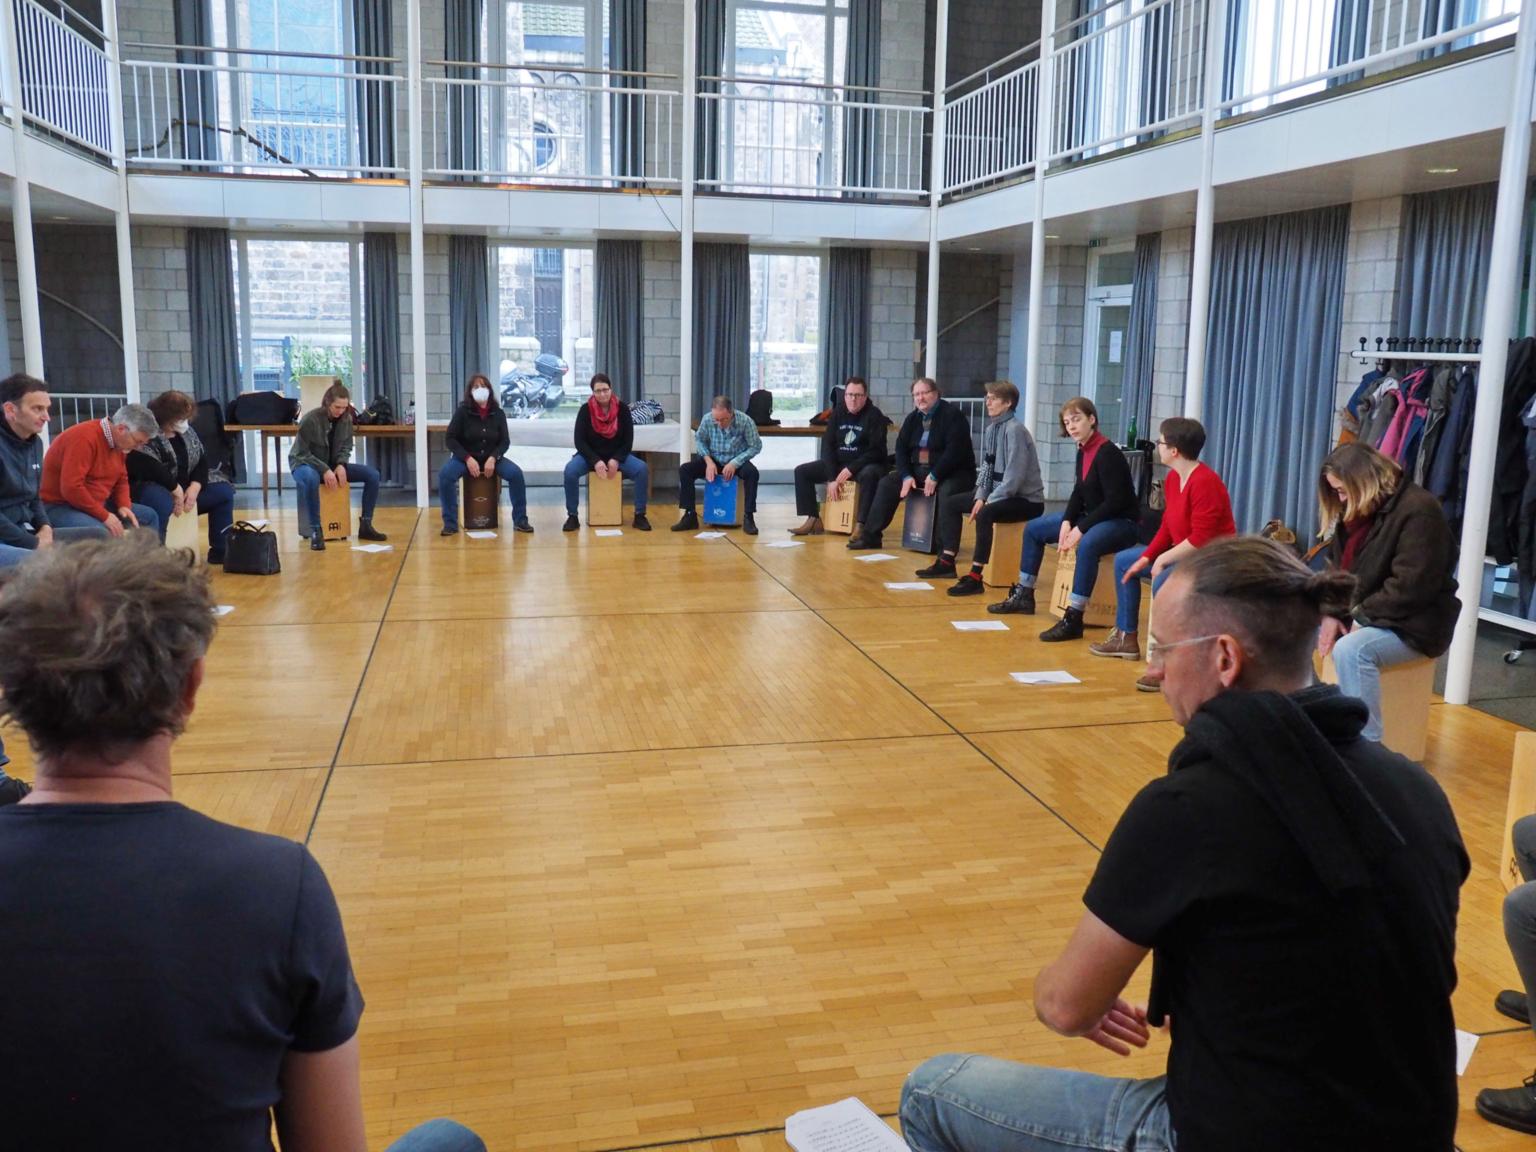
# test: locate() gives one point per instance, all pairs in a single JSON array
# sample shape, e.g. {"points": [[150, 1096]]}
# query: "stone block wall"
{"points": [[1171, 335], [1370, 284], [162, 306], [661, 340], [442, 391], [893, 325], [1061, 360]]}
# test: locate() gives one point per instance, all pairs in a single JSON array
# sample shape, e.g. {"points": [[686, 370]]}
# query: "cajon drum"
{"points": [[1406, 690], [188, 530], [1100, 612], [481, 502], [605, 501], [919, 527], [725, 503], [839, 515], [335, 513], [1007, 548]]}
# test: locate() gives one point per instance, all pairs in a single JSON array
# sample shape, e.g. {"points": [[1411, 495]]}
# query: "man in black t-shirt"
{"points": [[1297, 887], [178, 983]]}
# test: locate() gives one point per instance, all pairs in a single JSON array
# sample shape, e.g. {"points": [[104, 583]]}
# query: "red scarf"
{"points": [[605, 426]]}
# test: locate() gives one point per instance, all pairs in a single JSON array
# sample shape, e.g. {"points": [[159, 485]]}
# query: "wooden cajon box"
{"points": [[1007, 550], [605, 501], [335, 513], [1100, 612], [481, 502], [718, 502], [839, 515], [188, 530], [919, 527], [1406, 690], [1522, 802]]}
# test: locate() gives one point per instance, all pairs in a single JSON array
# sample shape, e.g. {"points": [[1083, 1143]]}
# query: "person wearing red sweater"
{"points": [[1196, 511], [85, 477]]}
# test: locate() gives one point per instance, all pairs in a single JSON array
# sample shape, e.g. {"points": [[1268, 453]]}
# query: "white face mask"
{"points": [[481, 395], [180, 426]]}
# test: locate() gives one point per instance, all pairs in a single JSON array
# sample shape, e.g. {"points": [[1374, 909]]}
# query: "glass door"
{"points": [[1106, 319]]}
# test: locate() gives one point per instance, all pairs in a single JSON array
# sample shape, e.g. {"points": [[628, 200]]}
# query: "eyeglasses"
{"points": [[601, 391], [1155, 648]]}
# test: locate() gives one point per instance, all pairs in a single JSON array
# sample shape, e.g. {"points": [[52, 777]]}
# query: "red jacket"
{"points": [[84, 471], [1200, 513]]}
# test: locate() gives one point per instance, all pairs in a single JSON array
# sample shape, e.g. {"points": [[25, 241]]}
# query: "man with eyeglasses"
{"points": [[1297, 887]]}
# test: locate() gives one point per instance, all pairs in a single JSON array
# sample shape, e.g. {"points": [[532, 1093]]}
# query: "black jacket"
{"points": [[1106, 493], [949, 444], [594, 447], [146, 468], [855, 442], [470, 434]]}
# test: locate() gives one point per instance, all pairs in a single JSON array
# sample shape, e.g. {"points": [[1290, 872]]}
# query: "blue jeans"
{"points": [[10, 555], [981, 1104], [217, 500], [307, 480], [1359, 657], [68, 516], [632, 468], [438, 1136], [1128, 592], [1103, 538], [453, 470]]}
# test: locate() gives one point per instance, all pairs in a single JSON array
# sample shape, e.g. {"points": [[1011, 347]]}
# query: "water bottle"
{"points": [[410, 412], [1130, 435]]}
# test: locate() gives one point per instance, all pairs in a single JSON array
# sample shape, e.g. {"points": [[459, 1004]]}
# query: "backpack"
{"points": [[646, 412], [263, 408], [220, 448], [380, 411], [760, 408]]}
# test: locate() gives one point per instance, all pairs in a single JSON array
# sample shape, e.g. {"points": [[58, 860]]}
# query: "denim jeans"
{"points": [[632, 468], [1359, 657], [1520, 908], [68, 516], [216, 499], [981, 1104], [454, 470], [10, 555], [307, 480], [1099, 541], [438, 1136], [1128, 592]]}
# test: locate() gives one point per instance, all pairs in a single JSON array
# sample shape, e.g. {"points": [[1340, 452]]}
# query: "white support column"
{"points": [[1498, 326], [21, 207], [1045, 93], [685, 289], [1205, 213], [935, 182], [418, 252], [123, 223], [247, 340]]}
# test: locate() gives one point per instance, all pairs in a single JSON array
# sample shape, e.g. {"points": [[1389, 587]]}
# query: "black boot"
{"points": [[749, 525], [1020, 600], [864, 542], [366, 530], [317, 539], [688, 522], [1069, 627]]}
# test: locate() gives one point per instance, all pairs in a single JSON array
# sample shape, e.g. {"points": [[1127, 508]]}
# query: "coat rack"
{"points": [[1421, 349]]}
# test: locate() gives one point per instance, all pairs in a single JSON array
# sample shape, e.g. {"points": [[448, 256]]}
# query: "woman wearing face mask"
{"points": [[170, 474], [478, 441]]}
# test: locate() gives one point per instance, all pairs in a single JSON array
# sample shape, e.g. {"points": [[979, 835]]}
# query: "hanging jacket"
{"points": [[1412, 404], [1374, 427], [1444, 470], [1434, 424], [1509, 470]]}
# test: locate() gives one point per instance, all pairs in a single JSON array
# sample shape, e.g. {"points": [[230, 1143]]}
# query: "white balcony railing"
{"points": [[552, 124], [812, 139], [71, 408], [64, 74], [989, 122]]}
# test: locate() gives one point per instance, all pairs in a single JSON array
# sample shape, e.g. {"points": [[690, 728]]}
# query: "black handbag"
{"points": [[251, 551]]}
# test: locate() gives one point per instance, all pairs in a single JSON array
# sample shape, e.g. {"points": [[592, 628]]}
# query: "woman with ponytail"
{"points": [[605, 437]]}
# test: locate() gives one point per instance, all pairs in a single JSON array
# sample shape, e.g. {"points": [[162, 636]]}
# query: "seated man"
{"points": [[725, 443], [85, 478], [188, 982], [933, 451], [1297, 887], [322, 453], [1196, 511], [24, 526], [1516, 1107], [852, 448]]}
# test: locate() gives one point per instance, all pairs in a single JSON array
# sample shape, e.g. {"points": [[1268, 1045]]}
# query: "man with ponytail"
{"points": [[1297, 887]]}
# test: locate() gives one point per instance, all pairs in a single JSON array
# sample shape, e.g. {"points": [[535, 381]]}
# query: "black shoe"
{"points": [[864, 543], [571, 524], [449, 530], [12, 790], [968, 585], [641, 523], [687, 522], [940, 567], [1512, 1004], [1020, 600], [1069, 627], [1510, 1107], [216, 556], [366, 530], [317, 539], [749, 525], [522, 525]]}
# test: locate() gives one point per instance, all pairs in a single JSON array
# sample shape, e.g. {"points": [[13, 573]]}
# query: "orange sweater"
{"points": [[82, 470]]}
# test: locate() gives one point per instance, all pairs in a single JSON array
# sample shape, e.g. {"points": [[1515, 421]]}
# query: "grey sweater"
{"points": [[21, 471], [1010, 466]]}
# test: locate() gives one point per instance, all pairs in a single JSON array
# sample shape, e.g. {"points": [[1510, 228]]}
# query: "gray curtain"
{"points": [[626, 53], [845, 318], [463, 44], [215, 337], [1442, 274], [381, 344], [862, 160], [1141, 337], [1349, 26], [373, 35], [710, 60], [722, 324], [619, 294], [198, 131], [1277, 292], [469, 310], [1156, 61]]}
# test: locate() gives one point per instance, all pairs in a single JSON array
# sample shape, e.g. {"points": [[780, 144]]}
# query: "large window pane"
{"points": [[786, 312], [301, 311], [301, 118], [544, 309], [555, 125]]}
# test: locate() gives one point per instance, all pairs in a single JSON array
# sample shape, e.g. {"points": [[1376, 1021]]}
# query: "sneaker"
{"points": [[968, 585], [641, 524], [1117, 644], [864, 542], [1147, 682], [687, 522], [940, 567], [522, 525], [1510, 1107], [317, 539], [1069, 627], [749, 525], [1512, 1004], [571, 524], [1020, 600], [449, 530], [12, 790]]}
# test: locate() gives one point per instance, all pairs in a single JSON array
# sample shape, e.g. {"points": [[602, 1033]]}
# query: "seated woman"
{"points": [[1008, 489], [1391, 535], [321, 453], [477, 443], [1100, 519], [605, 439], [170, 474]]}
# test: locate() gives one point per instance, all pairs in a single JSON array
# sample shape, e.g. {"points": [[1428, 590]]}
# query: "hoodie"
{"points": [[21, 473]]}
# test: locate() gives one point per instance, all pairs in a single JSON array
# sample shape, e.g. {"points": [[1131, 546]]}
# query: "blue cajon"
{"points": [[724, 502]]}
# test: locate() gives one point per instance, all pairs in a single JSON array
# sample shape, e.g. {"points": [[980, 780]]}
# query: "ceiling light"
{"points": [[973, 249], [1052, 236], [1442, 171]]}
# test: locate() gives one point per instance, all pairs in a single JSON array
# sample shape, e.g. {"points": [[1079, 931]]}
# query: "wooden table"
{"points": [[275, 434]]}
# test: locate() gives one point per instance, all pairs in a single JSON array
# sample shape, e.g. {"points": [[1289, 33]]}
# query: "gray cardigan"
{"points": [[1010, 466]]}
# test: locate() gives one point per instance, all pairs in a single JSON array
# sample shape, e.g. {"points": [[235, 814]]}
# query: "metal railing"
{"points": [[64, 72], [790, 136], [71, 408], [989, 130], [550, 123]]}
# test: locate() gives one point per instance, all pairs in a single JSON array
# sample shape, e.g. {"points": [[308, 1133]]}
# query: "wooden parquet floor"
{"points": [[650, 841]]}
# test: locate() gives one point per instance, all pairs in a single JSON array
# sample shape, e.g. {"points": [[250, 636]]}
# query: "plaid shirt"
{"points": [[734, 445]]}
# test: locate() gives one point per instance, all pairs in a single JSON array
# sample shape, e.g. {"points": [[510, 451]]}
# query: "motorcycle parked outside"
{"points": [[528, 395]]}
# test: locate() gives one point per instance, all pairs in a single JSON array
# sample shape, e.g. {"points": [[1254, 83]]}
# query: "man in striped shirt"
{"points": [[724, 445]]}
